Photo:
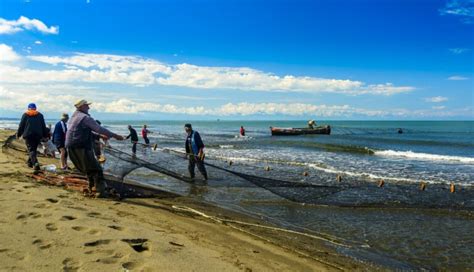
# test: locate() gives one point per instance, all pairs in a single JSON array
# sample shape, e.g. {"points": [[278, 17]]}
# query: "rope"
{"points": [[225, 221]]}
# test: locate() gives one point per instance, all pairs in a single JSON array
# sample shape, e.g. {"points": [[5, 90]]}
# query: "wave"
{"points": [[423, 156]]}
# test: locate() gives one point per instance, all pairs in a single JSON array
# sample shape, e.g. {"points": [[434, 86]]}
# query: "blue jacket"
{"points": [[59, 134], [194, 143]]}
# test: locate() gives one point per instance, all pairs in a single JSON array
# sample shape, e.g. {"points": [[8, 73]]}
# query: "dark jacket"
{"points": [[133, 135], [79, 133], [194, 143], [59, 134], [32, 126]]}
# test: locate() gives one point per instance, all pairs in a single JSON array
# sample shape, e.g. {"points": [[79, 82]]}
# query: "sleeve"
{"points": [[46, 131], [186, 146], [128, 136], [92, 124], [199, 142], [56, 132], [21, 127]]}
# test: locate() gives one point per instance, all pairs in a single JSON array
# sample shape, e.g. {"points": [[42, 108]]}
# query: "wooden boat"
{"points": [[300, 131]]}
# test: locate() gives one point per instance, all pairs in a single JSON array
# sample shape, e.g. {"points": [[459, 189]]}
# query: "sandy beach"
{"points": [[47, 228]]}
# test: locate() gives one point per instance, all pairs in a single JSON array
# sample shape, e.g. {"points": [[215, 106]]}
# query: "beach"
{"points": [[47, 228]]}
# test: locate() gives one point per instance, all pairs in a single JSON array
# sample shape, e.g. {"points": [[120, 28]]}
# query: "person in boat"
{"points": [[242, 131], [145, 132], [32, 128], [133, 138], [311, 124], [59, 139], [195, 151], [79, 144]]}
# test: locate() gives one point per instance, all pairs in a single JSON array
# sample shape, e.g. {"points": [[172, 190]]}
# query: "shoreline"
{"points": [[45, 228]]}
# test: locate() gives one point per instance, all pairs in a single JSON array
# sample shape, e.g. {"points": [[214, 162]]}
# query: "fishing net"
{"points": [[316, 187]]}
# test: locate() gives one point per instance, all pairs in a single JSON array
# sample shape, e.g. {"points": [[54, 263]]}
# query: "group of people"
{"points": [[78, 138]]}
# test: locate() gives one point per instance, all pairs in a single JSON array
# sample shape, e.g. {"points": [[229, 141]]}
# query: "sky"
{"points": [[259, 60]]}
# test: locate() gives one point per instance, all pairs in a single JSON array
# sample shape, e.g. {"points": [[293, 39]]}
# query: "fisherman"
{"points": [[133, 138], [32, 128], [311, 124], [47, 144], [145, 132], [195, 151], [242, 131], [59, 139], [79, 144]]}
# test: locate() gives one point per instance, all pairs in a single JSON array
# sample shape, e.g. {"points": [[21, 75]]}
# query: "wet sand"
{"points": [[46, 228]]}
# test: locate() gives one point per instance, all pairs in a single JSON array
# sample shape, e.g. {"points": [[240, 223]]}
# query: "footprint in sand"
{"points": [[132, 266], [52, 200], [97, 243], [93, 214], [139, 245], [94, 232], [67, 218], [115, 227], [115, 258], [41, 206], [42, 244], [51, 227], [79, 228], [22, 216], [71, 265]]}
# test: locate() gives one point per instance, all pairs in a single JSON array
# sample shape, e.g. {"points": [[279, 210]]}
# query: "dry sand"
{"points": [[45, 228]]}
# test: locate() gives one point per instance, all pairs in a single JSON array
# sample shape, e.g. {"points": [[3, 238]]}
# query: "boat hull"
{"points": [[300, 131]]}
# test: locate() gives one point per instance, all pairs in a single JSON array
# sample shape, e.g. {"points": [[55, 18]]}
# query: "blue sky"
{"points": [[337, 59]]}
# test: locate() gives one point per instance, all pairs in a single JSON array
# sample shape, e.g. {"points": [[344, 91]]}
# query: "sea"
{"points": [[435, 232]]}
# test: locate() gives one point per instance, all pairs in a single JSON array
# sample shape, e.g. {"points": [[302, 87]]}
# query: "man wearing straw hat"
{"points": [[59, 139], [79, 144]]}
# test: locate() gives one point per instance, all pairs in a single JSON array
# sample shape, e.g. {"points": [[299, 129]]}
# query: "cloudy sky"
{"points": [[389, 59]]}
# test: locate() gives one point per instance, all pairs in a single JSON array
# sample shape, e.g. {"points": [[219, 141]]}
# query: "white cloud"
{"points": [[457, 78], [38, 42], [436, 99], [464, 9], [458, 51], [24, 23], [7, 53], [138, 71], [16, 100]]}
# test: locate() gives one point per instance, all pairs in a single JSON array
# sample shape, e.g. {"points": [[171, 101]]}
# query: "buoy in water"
{"points": [[381, 183], [339, 178], [267, 168], [305, 174], [452, 189], [422, 186]]}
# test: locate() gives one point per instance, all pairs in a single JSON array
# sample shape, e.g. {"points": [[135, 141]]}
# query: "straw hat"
{"points": [[81, 102]]}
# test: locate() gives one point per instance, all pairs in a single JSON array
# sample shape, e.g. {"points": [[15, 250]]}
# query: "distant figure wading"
{"points": [[195, 151]]}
